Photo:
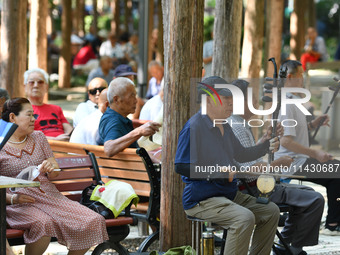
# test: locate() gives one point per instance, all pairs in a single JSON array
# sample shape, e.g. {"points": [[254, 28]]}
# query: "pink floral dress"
{"points": [[52, 214]]}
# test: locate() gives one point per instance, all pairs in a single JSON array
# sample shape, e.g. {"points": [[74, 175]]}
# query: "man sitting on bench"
{"points": [[214, 197], [115, 129]]}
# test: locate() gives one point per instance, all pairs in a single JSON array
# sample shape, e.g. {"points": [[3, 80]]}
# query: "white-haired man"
{"points": [[156, 71], [115, 129]]}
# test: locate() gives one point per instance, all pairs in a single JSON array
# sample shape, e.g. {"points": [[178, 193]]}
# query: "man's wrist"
{"points": [[310, 125]]}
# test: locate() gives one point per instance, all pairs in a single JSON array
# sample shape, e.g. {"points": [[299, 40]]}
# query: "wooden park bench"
{"points": [[79, 172], [133, 166], [331, 65]]}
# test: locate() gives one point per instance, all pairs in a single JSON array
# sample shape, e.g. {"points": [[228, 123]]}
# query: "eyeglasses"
{"points": [[94, 91], [51, 122], [39, 82]]}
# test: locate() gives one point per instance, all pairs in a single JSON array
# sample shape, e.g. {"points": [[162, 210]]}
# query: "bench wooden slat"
{"points": [[74, 162], [124, 174], [74, 174], [73, 197], [72, 185], [122, 164], [141, 206], [141, 189], [119, 221], [14, 233], [77, 148]]}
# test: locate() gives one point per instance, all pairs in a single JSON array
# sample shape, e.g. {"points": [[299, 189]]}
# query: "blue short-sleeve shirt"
{"points": [[113, 125], [201, 144]]}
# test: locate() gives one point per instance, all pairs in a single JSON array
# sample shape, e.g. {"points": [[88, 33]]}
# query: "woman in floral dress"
{"points": [[43, 213]]}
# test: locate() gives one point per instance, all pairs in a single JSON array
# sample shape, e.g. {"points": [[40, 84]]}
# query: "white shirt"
{"points": [[106, 49], [86, 132], [83, 110], [299, 133], [151, 108], [154, 88]]}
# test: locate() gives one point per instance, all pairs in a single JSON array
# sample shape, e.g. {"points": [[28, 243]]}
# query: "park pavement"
{"points": [[69, 99]]}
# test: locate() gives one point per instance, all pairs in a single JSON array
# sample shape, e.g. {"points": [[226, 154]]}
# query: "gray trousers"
{"points": [[303, 223], [239, 217]]}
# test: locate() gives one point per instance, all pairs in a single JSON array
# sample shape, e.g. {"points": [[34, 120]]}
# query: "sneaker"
{"points": [[326, 231]]}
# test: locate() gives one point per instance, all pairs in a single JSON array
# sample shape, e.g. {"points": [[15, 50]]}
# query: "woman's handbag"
{"points": [[95, 205]]}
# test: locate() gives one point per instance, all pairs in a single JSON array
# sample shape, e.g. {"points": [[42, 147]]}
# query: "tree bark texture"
{"points": [[152, 46], [227, 38], [252, 46], [311, 13], [95, 16], [65, 53], [160, 42], [127, 18], [297, 28], [274, 23], [253, 39], [38, 35], [13, 46], [178, 60], [115, 5]]}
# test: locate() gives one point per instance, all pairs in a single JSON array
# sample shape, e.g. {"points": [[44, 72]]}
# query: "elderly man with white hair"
{"points": [[115, 129], [49, 118]]}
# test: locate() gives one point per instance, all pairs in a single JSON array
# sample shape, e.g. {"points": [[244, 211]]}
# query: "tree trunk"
{"points": [[253, 40], [227, 38], [178, 24], [65, 53], [81, 15], [274, 33], [152, 46], [38, 35], [115, 5], [13, 46], [297, 29], [252, 47], [127, 16], [95, 16], [160, 43], [311, 13]]}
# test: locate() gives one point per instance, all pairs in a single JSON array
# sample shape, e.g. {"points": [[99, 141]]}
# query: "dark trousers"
{"points": [[333, 190]]}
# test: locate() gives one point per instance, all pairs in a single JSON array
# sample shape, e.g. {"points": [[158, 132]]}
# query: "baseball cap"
{"points": [[210, 82], [124, 70], [241, 84]]}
